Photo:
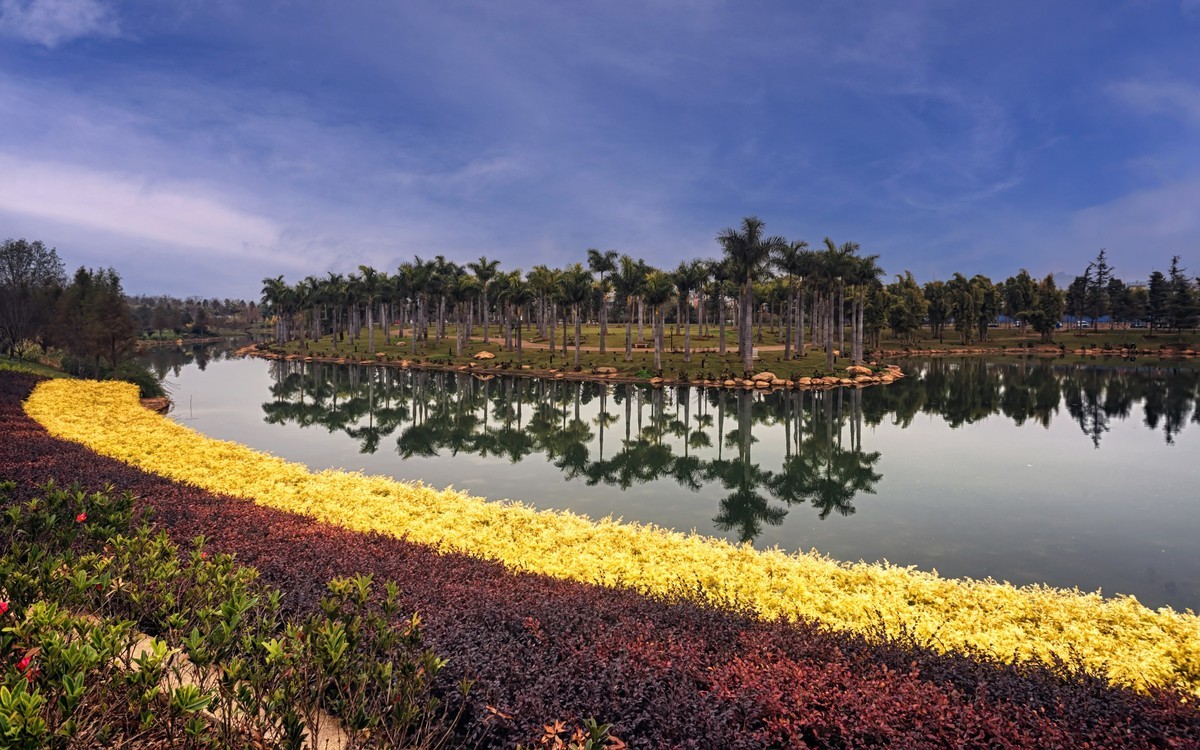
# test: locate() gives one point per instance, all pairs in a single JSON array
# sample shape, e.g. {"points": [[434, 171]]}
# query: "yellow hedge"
{"points": [[1118, 637]]}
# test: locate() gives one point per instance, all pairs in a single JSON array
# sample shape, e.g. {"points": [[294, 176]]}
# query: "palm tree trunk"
{"points": [[603, 315], [687, 335], [641, 321], [747, 345], [721, 321], [657, 319], [577, 333], [800, 324], [628, 330]]}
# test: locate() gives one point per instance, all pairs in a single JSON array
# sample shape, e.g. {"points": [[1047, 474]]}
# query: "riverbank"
{"points": [[485, 363], [666, 665]]}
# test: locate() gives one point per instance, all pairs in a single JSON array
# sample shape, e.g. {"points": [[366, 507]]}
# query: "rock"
{"points": [[526, 367], [656, 381], [485, 355], [768, 376], [606, 370], [803, 381], [858, 370], [729, 383], [864, 379], [789, 383], [558, 375], [762, 384], [778, 382], [885, 379]]}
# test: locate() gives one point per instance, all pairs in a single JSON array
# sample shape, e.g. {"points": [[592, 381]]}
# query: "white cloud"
{"points": [[1160, 97], [129, 205], [52, 22]]}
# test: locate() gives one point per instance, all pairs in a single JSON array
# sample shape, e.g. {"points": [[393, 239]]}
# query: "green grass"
{"points": [[8, 364], [707, 364]]}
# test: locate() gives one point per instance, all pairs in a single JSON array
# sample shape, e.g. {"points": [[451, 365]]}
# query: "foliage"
{"points": [[31, 277], [1116, 637], [115, 636], [669, 672]]}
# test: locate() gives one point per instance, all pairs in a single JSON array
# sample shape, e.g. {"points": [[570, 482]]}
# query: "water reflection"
{"points": [[621, 435]]}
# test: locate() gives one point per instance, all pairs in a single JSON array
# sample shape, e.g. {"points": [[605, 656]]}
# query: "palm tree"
{"points": [[541, 282], [485, 270], [658, 289], [370, 282], [627, 285], [576, 288], [520, 294], [689, 277], [748, 252], [864, 273], [602, 263], [793, 259]]}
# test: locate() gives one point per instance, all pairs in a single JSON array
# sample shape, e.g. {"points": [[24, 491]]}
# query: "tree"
{"points": [[908, 307], [1158, 298], [748, 251], [939, 308], [688, 277], [1047, 310], [1097, 303], [602, 263], [658, 289], [485, 270], [93, 320], [628, 280], [1183, 310], [31, 276], [576, 288], [795, 260], [1019, 294]]}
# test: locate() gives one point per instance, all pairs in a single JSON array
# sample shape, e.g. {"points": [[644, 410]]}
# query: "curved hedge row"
{"points": [[667, 674], [1119, 638]]}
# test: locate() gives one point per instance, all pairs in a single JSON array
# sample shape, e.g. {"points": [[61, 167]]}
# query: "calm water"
{"points": [[1069, 475]]}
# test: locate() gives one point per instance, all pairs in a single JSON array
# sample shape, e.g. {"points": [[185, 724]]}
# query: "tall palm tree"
{"points": [[689, 277], [602, 263], [748, 251], [658, 289], [370, 282], [793, 259], [275, 297], [485, 270], [576, 288], [541, 282], [627, 285], [520, 295]]}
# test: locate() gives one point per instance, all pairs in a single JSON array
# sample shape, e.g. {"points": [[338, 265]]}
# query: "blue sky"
{"points": [[201, 146]]}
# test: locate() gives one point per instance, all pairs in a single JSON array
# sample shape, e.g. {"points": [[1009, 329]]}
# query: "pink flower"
{"points": [[21, 665], [81, 517], [3, 607]]}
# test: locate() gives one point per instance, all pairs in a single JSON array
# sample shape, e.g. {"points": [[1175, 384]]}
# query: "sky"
{"points": [[199, 146]]}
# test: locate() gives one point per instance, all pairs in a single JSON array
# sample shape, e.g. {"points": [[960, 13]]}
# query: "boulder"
{"points": [[485, 355], [656, 381], [729, 383], [778, 382], [804, 381], [858, 370], [762, 384], [767, 376], [606, 370]]}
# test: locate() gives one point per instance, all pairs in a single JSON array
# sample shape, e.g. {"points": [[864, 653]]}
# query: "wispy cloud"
{"points": [[54, 22], [1175, 98], [130, 205]]}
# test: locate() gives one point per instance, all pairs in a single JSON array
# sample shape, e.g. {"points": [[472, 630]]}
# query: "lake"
{"points": [[1032, 471]]}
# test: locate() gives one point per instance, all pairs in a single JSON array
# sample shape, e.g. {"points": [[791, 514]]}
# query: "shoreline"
{"points": [[857, 376]]}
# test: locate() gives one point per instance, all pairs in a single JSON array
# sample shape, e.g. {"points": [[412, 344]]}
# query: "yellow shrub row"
{"points": [[1118, 637]]}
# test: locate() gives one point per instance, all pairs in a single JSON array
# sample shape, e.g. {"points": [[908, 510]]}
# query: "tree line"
{"points": [[86, 316], [811, 297]]}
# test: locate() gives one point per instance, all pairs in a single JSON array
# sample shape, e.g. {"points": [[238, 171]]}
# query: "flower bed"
{"points": [[668, 674]]}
